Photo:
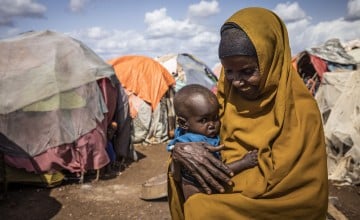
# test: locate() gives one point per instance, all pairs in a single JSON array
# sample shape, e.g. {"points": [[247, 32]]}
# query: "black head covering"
{"points": [[234, 41]]}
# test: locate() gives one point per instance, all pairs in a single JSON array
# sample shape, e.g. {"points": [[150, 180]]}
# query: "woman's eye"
{"points": [[248, 72], [229, 75], [251, 71], [203, 120]]}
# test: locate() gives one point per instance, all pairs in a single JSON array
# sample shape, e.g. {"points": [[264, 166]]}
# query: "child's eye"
{"points": [[203, 120]]}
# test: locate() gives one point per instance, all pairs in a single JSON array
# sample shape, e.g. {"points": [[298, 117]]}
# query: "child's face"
{"points": [[204, 118]]}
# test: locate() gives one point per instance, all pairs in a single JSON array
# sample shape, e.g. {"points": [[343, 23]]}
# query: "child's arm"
{"points": [[248, 161]]}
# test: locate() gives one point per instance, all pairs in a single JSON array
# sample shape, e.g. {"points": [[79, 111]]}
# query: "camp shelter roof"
{"points": [[332, 51], [39, 64], [352, 47], [143, 76], [338, 99], [187, 69], [49, 94], [356, 54], [331, 56]]}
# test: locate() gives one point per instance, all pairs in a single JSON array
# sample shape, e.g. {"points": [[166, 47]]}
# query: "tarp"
{"points": [[186, 69], [143, 76], [333, 51], [48, 89], [149, 88], [312, 63], [53, 114], [338, 98], [43, 64]]}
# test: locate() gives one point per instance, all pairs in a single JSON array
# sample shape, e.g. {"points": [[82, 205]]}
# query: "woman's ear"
{"points": [[182, 122]]}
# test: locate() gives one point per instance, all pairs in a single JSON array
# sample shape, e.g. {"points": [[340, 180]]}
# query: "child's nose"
{"points": [[211, 125]]}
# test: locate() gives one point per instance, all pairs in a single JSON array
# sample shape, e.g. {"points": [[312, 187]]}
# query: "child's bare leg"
{"points": [[189, 188]]}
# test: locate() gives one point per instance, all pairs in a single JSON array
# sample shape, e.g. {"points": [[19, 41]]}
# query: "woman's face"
{"points": [[243, 73]]}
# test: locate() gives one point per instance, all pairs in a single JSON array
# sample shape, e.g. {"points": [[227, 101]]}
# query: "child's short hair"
{"points": [[183, 101]]}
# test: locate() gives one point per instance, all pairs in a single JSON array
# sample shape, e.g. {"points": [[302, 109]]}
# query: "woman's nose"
{"points": [[238, 82]]}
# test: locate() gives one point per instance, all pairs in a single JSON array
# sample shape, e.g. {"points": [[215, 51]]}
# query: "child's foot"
{"points": [[251, 159]]}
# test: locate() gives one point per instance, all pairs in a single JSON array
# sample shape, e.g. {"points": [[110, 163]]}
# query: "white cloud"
{"points": [[303, 35], [10, 9], [77, 5], [161, 25], [290, 12], [204, 9], [97, 33], [205, 38], [353, 10], [163, 35]]}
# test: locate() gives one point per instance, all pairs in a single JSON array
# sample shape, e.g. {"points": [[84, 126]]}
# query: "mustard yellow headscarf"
{"points": [[284, 124]]}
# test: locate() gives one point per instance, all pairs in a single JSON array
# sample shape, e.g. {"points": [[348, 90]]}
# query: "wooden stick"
{"points": [[335, 213]]}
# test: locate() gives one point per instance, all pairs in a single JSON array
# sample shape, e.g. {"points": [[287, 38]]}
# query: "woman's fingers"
{"points": [[225, 171], [203, 166], [202, 183], [192, 168], [207, 173], [206, 178], [210, 180]]}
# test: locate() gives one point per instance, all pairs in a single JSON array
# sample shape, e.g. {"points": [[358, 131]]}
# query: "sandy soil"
{"points": [[119, 198]]}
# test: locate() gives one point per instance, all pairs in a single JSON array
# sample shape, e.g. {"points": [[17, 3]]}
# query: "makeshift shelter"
{"points": [[338, 98], [57, 99], [149, 88], [186, 69], [312, 63], [353, 49]]}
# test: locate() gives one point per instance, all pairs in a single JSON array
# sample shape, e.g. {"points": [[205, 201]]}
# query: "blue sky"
{"points": [[153, 28]]}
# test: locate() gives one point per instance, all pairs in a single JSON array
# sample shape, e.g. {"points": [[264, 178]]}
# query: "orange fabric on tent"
{"points": [[143, 76]]}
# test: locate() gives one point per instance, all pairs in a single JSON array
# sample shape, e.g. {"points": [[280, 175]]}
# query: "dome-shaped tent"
{"points": [[186, 69], [149, 86], [57, 98]]}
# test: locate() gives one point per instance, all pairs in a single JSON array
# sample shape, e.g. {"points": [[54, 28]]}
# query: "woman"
{"points": [[264, 106]]}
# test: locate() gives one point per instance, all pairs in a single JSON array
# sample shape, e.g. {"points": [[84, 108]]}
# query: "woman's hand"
{"points": [[197, 158]]}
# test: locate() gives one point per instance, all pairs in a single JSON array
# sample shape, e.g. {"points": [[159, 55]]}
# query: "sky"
{"points": [[154, 28]]}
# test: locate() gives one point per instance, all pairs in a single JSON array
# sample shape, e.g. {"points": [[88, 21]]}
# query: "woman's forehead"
{"points": [[239, 60]]}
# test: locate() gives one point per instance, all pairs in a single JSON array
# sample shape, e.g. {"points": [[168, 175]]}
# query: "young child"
{"points": [[108, 169], [197, 112]]}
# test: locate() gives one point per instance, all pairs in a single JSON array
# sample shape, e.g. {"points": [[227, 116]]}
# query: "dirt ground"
{"points": [[119, 198]]}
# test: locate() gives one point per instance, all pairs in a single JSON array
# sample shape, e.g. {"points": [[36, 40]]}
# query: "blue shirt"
{"points": [[182, 136]]}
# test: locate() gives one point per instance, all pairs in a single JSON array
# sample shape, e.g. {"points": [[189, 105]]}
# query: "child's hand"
{"points": [[213, 149]]}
